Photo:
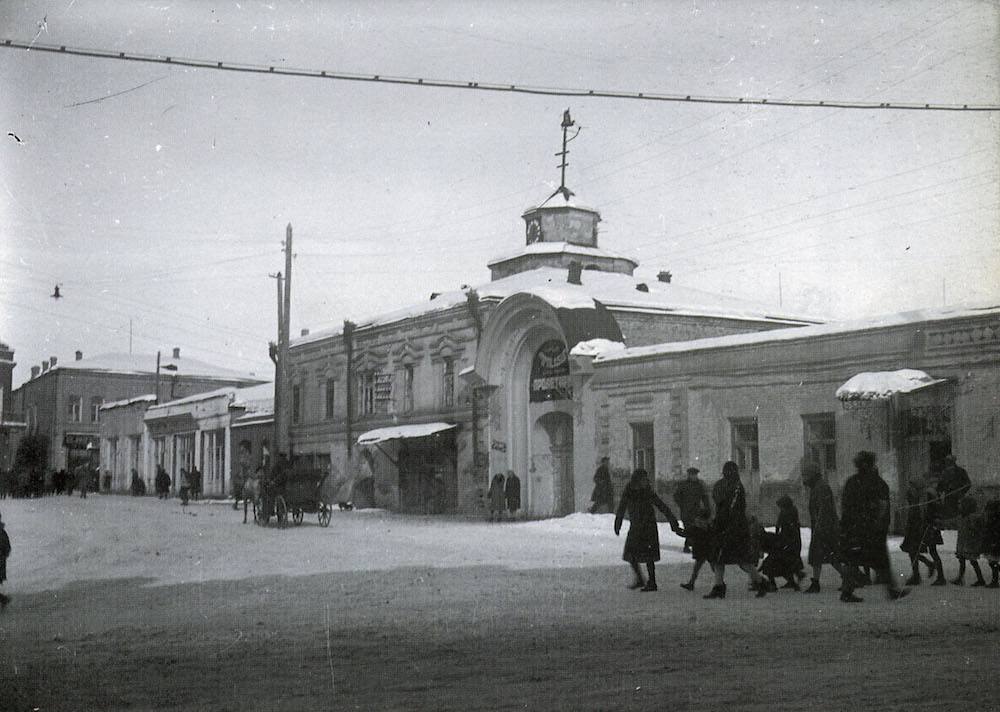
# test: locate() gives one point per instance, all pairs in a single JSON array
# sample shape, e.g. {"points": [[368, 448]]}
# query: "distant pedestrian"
{"points": [[969, 546], [991, 540], [784, 549], [195, 483], [642, 544], [603, 496], [698, 538], [497, 497], [185, 486], [865, 527], [138, 486], [731, 542], [162, 482], [4, 553], [83, 479], [691, 497], [512, 493], [824, 526]]}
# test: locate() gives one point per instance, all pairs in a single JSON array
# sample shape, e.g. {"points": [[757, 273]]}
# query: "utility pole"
{"points": [[274, 351], [281, 415]]}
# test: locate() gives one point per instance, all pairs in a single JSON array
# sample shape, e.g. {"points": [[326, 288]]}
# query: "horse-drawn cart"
{"points": [[300, 493]]}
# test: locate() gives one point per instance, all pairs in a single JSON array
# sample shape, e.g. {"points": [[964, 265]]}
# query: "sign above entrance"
{"points": [[550, 373]]}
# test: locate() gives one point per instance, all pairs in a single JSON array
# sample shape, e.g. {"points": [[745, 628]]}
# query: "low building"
{"points": [[225, 434], [416, 409], [913, 388], [62, 401]]}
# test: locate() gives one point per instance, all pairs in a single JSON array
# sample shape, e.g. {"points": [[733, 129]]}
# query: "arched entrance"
{"points": [[552, 464]]}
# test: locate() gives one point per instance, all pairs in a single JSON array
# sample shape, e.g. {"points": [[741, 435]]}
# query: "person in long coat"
{"points": [[784, 553], [969, 543], [496, 497], [865, 526], [603, 496], [642, 545], [4, 553], [825, 527], [731, 533], [916, 530], [691, 497], [512, 493]]}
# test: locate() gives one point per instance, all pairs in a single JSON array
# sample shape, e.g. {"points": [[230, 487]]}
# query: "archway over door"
{"points": [[552, 465]]}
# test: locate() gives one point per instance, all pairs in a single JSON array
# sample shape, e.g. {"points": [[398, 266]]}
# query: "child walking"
{"points": [[970, 541], [784, 548]]}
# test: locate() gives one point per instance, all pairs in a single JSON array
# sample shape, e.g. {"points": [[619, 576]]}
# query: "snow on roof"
{"points": [[561, 200], [146, 364], [402, 431], [148, 397], [613, 289], [596, 347], [254, 398], [806, 332], [554, 248], [878, 385]]}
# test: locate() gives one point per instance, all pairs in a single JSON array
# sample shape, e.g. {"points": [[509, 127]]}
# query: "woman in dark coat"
{"points": [[642, 545], [784, 553], [731, 532], [916, 524], [825, 527]]}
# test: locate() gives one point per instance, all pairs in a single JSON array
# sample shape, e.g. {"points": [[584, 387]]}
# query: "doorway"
{"points": [[552, 465]]}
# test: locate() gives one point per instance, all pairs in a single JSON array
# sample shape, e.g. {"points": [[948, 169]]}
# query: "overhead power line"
{"points": [[485, 86]]}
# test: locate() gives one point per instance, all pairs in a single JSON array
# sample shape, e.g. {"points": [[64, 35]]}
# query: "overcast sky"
{"points": [[159, 194]]}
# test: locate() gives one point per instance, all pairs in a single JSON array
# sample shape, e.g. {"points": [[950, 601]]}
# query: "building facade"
{"points": [[416, 409], [12, 425], [769, 402], [62, 402]]}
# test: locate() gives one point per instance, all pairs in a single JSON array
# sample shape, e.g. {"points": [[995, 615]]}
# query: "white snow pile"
{"points": [[597, 347], [877, 385]]}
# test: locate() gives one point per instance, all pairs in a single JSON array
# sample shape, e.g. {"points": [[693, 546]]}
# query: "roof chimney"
{"points": [[642, 287], [52, 361], [35, 370], [664, 276], [45, 366], [304, 332], [177, 352], [79, 355], [574, 273]]}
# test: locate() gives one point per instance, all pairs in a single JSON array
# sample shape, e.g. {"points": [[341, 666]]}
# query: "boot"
{"points": [[813, 587], [897, 593], [637, 584], [762, 589], [940, 580], [650, 586], [651, 583], [914, 580], [689, 586], [718, 591], [849, 597]]}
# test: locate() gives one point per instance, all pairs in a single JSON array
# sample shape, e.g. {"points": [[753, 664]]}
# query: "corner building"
{"points": [[415, 410]]}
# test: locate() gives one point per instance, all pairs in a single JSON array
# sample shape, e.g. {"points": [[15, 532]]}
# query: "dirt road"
{"points": [[491, 638]]}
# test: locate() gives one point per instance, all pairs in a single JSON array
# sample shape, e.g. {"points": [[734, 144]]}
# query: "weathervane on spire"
{"points": [[567, 122]]}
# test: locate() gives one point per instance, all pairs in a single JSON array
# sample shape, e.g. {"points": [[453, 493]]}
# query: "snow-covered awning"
{"points": [[373, 437], [878, 385]]}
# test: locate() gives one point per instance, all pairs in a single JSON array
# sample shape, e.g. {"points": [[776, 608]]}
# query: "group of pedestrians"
{"points": [[718, 531], [504, 496]]}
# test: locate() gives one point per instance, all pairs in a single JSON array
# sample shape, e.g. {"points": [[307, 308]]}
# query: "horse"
{"points": [[250, 494]]}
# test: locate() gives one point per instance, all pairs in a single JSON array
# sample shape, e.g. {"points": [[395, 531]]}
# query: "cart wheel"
{"points": [[325, 512], [281, 511], [297, 515], [260, 515]]}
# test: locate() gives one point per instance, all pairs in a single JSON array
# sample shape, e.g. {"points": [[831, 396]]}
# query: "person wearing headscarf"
{"points": [[603, 496], [824, 526], [784, 551], [642, 545], [731, 533], [497, 497]]}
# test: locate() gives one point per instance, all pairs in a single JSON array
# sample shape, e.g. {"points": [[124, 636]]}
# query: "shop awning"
{"points": [[380, 435], [879, 385]]}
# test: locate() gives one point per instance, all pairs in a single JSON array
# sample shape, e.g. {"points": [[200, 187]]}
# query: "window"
{"points": [[32, 419], [184, 449], [330, 391], [448, 383], [296, 403], [95, 409], [408, 388], [820, 434], [643, 454], [75, 412], [746, 454], [213, 455], [367, 386], [160, 452]]}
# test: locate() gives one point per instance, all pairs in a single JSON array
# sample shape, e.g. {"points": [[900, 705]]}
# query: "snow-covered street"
{"points": [[136, 603]]}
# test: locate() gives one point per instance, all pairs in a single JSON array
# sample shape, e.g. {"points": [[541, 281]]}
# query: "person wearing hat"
{"points": [[603, 496], [4, 553], [691, 497]]}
